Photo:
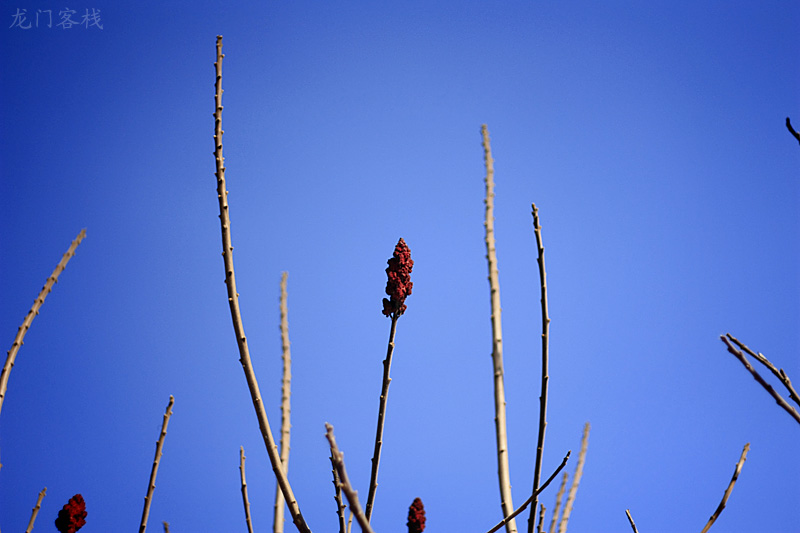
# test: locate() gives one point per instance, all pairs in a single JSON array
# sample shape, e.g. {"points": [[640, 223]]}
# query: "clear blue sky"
{"points": [[650, 134]]}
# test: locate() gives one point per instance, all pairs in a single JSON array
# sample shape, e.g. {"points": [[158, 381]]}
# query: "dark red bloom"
{"points": [[72, 516], [416, 517], [399, 284]]}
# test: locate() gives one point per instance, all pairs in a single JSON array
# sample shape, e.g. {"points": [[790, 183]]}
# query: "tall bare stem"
{"points": [[537, 469], [245, 499], [153, 471], [286, 407], [37, 304], [376, 455], [35, 510], [503, 474], [236, 316]]}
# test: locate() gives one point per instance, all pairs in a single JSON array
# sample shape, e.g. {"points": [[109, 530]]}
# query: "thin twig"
{"points": [[352, 494], [779, 373], [340, 506], [286, 407], [166, 527], [557, 509], [778, 398], [728, 491], [529, 500], [35, 510], [148, 499], [537, 471], [541, 518], [630, 519], [37, 304], [576, 479], [236, 316], [503, 471], [376, 455], [792, 130], [245, 499]]}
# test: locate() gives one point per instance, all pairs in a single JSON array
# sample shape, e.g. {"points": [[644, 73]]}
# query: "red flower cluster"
{"points": [[399, 284], [416, 517], [72, 516]]}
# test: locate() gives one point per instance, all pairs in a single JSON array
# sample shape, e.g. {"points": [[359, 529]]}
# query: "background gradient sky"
{"points": [[650, 135]]}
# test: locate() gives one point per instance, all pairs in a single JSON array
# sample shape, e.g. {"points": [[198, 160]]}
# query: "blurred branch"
{"points": [[506, 502], [778, 398], [286, 407], [245, 499], [557, 508], [344, 481], [792, 130], [148, 499], [780, 374], [630, 519], [35, 510], [376, 455], [37, 304], [166, 527], [233, 302], [529, 500], [537, 471], [576, 479], [340, 506], [541, 518], [728, 491]]}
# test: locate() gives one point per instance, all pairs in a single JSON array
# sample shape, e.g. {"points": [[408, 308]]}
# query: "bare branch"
{"points": [[148, 499], [236, 315], [728, 491], [286, 406], [352, 494], [630, 519], [340, 506], [779, 373], [35, 510], [166, 527], [791, 129], [541, 518], [245, 499], [778, 398], [504, 477], [529, 500], [37, 304], [557, 509], [537, 470], [576, 479], [376, 455]]}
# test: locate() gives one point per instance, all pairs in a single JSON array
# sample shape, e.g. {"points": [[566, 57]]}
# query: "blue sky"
{"points": [[650, 135]]}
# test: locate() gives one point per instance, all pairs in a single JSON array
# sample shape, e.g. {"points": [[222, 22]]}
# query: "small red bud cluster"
{"points": [[72, 516], [399, 284], [416, 517]]}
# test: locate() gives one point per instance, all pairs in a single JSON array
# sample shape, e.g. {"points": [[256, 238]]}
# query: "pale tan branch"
{"points": [[35, 510], [286, 406], [37, 304], [557, 509], [503, 471], [245, 499], [772, 392], [529, 500], [376, 455], [236, 316], [537, 471], [541, 518], [576, 479], [344, 481], [728, 491], [630, 519], [151, 486], [779, 373]]}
